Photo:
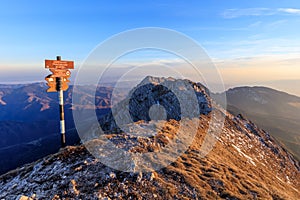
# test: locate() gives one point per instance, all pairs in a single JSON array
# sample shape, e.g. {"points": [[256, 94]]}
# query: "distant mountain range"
{"points": [[29, 121], [29, 127], [275, 111], [245, 162]]}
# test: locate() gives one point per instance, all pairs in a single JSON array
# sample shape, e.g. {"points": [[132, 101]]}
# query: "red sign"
{"points": [[60, 73], [51, 82], [59, 64]]}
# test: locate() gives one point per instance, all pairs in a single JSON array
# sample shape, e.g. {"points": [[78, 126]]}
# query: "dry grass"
{"points": [[224, 173]]}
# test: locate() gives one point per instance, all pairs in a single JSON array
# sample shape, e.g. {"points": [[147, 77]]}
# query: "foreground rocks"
{"points": [[246, 163]]}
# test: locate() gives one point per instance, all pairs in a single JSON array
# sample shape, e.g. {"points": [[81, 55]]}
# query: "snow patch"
{"points": [[245, 155]]}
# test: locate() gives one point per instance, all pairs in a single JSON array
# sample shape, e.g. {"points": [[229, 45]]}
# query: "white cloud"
{"points": [[290, 10], [235, 13], [259, 45]]}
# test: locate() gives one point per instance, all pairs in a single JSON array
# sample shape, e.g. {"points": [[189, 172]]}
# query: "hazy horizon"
{"points": [[288, 86], [250, 43]]}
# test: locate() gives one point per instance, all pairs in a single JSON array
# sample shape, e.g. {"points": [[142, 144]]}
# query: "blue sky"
{"points": [[232, 32]]}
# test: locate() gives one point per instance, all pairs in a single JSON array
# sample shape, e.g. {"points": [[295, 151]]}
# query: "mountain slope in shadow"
{"points": [[275, 111]]}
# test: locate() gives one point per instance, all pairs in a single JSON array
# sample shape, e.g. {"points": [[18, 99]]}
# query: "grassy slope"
{"points": [[283, 129]]}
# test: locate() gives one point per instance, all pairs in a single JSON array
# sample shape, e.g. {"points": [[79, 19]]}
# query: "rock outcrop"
{"points": [[159, 98]]}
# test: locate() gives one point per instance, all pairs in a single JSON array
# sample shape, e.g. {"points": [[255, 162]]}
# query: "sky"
{"points": [[251, 42]]}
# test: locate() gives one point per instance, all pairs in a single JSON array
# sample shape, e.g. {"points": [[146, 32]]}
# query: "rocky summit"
{"points": [[159, 98], [244, 163]]}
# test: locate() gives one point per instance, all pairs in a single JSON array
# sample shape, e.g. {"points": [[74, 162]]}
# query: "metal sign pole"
{"points": [[58, 82], [62, 115], [61, 108]]}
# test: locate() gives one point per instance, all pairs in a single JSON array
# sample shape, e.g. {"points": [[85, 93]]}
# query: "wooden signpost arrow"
{"points": [[58, 82]]}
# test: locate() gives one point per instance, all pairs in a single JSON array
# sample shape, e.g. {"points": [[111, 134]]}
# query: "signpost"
{"points": [[59, 64], [58, 82], [51, 82], [60, 73]]}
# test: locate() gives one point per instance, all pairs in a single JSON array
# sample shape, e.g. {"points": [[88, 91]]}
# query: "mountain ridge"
{"points": [[43, 128], [29, 113], [275, 111], [228, 172], [245, 163]]}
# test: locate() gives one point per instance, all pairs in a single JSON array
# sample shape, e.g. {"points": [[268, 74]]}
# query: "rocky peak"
{"points": [[245, 163], [155, 80], [160, 98]]}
